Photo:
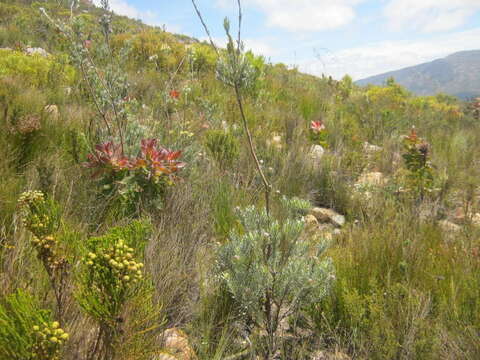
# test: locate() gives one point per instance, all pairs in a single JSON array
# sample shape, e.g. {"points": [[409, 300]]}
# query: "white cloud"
{"points": [[122, 7], [430, 15], [377, 58], [304, 15], [258, 46]]}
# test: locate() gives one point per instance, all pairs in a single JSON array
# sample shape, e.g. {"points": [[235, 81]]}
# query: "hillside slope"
{"points": [[162, 199], [457, 74]]}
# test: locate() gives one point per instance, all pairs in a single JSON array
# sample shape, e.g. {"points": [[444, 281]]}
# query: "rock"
{"points": [[326, 232], [176, 346], [459, 216], [165, 356], [371, 179], [316, 153], [275, 141], [313, 229], [370, 149], [310, 221], [449, 226], [324, 355], [324, 215], [36, 51], [52, 110], [476, 219]]}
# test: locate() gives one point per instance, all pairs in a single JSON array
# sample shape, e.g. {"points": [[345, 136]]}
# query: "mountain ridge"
{"points": [[457, 74]]}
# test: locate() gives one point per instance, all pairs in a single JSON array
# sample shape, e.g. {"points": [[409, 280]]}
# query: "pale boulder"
{"points": [[476, 219], [324, 355], [449, 226], [52, 111], [324, 216], [36, 51], [176, 345], [370, 149], [317, 152], [371, 179]]}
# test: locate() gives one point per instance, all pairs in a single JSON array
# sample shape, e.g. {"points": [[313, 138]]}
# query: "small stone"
{"points": [[36, 51], [370, 148], [459, 215], [310, 220], [325, 355], [177, 344], [324, 215], [449, 226], [164, 356], [275, 141], [52, 110], [317, 152], [476, 219], [371, 179]]}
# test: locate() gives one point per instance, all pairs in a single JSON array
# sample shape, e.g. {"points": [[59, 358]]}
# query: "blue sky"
{"points": [[335, 37]]}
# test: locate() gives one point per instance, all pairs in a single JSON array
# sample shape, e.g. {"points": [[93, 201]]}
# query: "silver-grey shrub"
{"points": [[272, 271]]}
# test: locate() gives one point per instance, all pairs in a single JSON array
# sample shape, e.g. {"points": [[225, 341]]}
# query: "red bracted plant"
{"points": [[107, 157], [318, 133], [174, 94], [137, 180], [317, 127], [420, 176], [157, 161]]}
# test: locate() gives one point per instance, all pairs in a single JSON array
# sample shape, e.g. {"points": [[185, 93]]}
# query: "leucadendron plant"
{"points": [[272, 272], [419, 175], [318, 133], [28, 332], [103, 79], [139, 181], [112, 274], [41, 216]]}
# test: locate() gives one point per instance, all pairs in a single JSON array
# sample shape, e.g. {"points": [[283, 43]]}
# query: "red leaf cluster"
{"points": [[154, 159], [107, 157], [317, 126], [174, 94], [157, 160]]}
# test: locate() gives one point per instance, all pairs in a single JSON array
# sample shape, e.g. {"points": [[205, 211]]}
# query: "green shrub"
{"points": [[202, 58], [420, 176], [223, 146], [271, 272], [26, 331], [35, 69], [111, 276], [41, 216]]}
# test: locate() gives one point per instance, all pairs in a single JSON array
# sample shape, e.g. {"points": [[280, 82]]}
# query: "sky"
{"points": [[332, 37]]}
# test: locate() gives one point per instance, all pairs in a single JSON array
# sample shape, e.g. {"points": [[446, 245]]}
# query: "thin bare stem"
{"points": [[238, 96], [205, 27], [106, 86], [92, 93], [251, 146], [239, 25]]}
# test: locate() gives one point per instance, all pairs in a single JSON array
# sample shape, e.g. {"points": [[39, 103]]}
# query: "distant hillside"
{"points": [[457, 74]]}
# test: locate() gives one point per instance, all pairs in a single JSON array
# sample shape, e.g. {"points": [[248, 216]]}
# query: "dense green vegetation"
{"points": [[163, 199]]}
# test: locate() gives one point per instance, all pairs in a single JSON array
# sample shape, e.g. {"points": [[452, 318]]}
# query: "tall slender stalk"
{"points": [[237, 86]]}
